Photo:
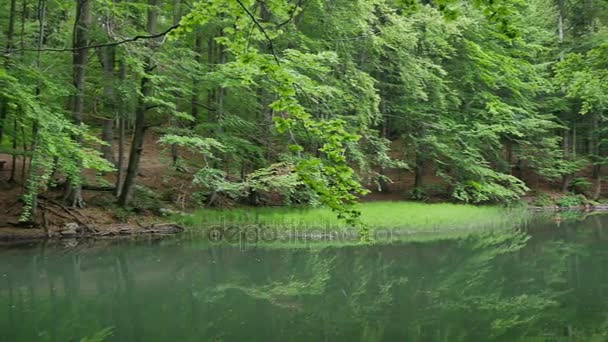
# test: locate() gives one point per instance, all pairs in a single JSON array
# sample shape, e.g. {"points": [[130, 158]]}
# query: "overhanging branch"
{"points": [[95, 46], [257, 23]]}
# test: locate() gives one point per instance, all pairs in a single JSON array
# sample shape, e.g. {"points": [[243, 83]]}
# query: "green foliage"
{"points": [[379, 216], [276, 180], [304, 100], [542, 200], [99, 336], [581, 185], [585, 77], [146, 200], [571, 201], [55, 149]]}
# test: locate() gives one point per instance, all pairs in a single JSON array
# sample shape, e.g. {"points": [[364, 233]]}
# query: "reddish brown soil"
{"points": [[155, 174]]}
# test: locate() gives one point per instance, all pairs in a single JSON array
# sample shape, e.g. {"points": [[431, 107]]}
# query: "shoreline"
{"points": [[110, 231], [74, 231]]}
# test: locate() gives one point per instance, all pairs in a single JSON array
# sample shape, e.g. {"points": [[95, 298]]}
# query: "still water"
{"points": [[545, 282]]}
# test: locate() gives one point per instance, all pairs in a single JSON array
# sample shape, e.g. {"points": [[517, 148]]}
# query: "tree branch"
{"points": [[128, 40], [292, 14], [257, 23]]}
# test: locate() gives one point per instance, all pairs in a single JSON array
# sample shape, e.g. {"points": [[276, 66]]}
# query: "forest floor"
{"points": [[172, 193], [100, 217]]}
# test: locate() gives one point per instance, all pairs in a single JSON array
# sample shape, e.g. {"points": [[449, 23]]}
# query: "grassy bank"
{"points": [[401, 216]]}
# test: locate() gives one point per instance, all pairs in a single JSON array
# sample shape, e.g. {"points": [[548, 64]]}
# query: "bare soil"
{"points": [[98, 218]]}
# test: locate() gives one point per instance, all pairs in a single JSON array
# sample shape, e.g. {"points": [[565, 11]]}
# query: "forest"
{"points": [[303, 170], [302, 102]]}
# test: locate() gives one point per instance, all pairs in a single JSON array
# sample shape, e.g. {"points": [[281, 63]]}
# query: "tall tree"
{"points": [[80, 48], [10, 32], [126, 193]]}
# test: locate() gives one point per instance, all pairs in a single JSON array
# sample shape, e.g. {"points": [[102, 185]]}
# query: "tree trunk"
{"points": [[419, 171], [196, 84], [121, 134], [9, 47], [32, 171], [210, 62], [137, 142], [177, 16], [107, 55], [383, 184], [597, 180], [177, 11], [107, 135], [73, 192], [121, 156], [24, 161], [14, 157], [560, 27], [561, 35], [140, 116], [595, 150]]}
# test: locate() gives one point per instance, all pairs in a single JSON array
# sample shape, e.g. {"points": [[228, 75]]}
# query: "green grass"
{"points": [[407, 217]]}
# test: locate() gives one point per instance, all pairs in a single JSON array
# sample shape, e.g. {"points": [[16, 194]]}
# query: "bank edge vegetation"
{"points": [[306, 98]]}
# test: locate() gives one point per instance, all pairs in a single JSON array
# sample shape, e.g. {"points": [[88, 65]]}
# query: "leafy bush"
{"points": [[542, 200], [580, 185], [276, 184], [571, 201], [418, 194], [146, 199], [122, 214], [488, 191]]}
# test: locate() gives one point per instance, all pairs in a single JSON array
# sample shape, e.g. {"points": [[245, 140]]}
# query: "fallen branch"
{"points": [[72, 213], [98, 187]]}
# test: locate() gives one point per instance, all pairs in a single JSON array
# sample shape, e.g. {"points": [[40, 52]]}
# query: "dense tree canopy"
{"points": [[311, 99]]}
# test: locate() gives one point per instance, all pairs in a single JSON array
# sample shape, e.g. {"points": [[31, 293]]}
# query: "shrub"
{"points": [[542, 200], [146, 199], [571, 201], [417, 194], [580, 185]]}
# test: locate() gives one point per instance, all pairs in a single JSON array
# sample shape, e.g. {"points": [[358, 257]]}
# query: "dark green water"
{"points": [[548, 283]]}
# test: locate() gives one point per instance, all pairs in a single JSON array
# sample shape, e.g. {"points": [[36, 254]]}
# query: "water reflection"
{"points": [[547, 282]]}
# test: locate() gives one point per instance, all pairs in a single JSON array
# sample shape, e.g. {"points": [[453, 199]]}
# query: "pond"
{"points": [[547, 280]]}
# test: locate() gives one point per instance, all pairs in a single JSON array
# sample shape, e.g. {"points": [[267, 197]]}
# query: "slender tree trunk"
{"points": [[383, 184], [136, 144], [22, 33], [210, 62], [177, 11], [107, 57], [177, 16], [196, 84], [79, 61], [121, 156], [419, 170], [560, 27], [9, 47], [221, 93], [24, 161], [566, 179], [595, 150], [14, 157], [597, 180], [33, 168], [121, 134], [107, 135], [574, 142], [140, 116]]}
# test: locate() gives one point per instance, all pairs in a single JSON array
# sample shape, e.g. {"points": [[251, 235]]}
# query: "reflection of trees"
{"points": [[503, 285]]}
